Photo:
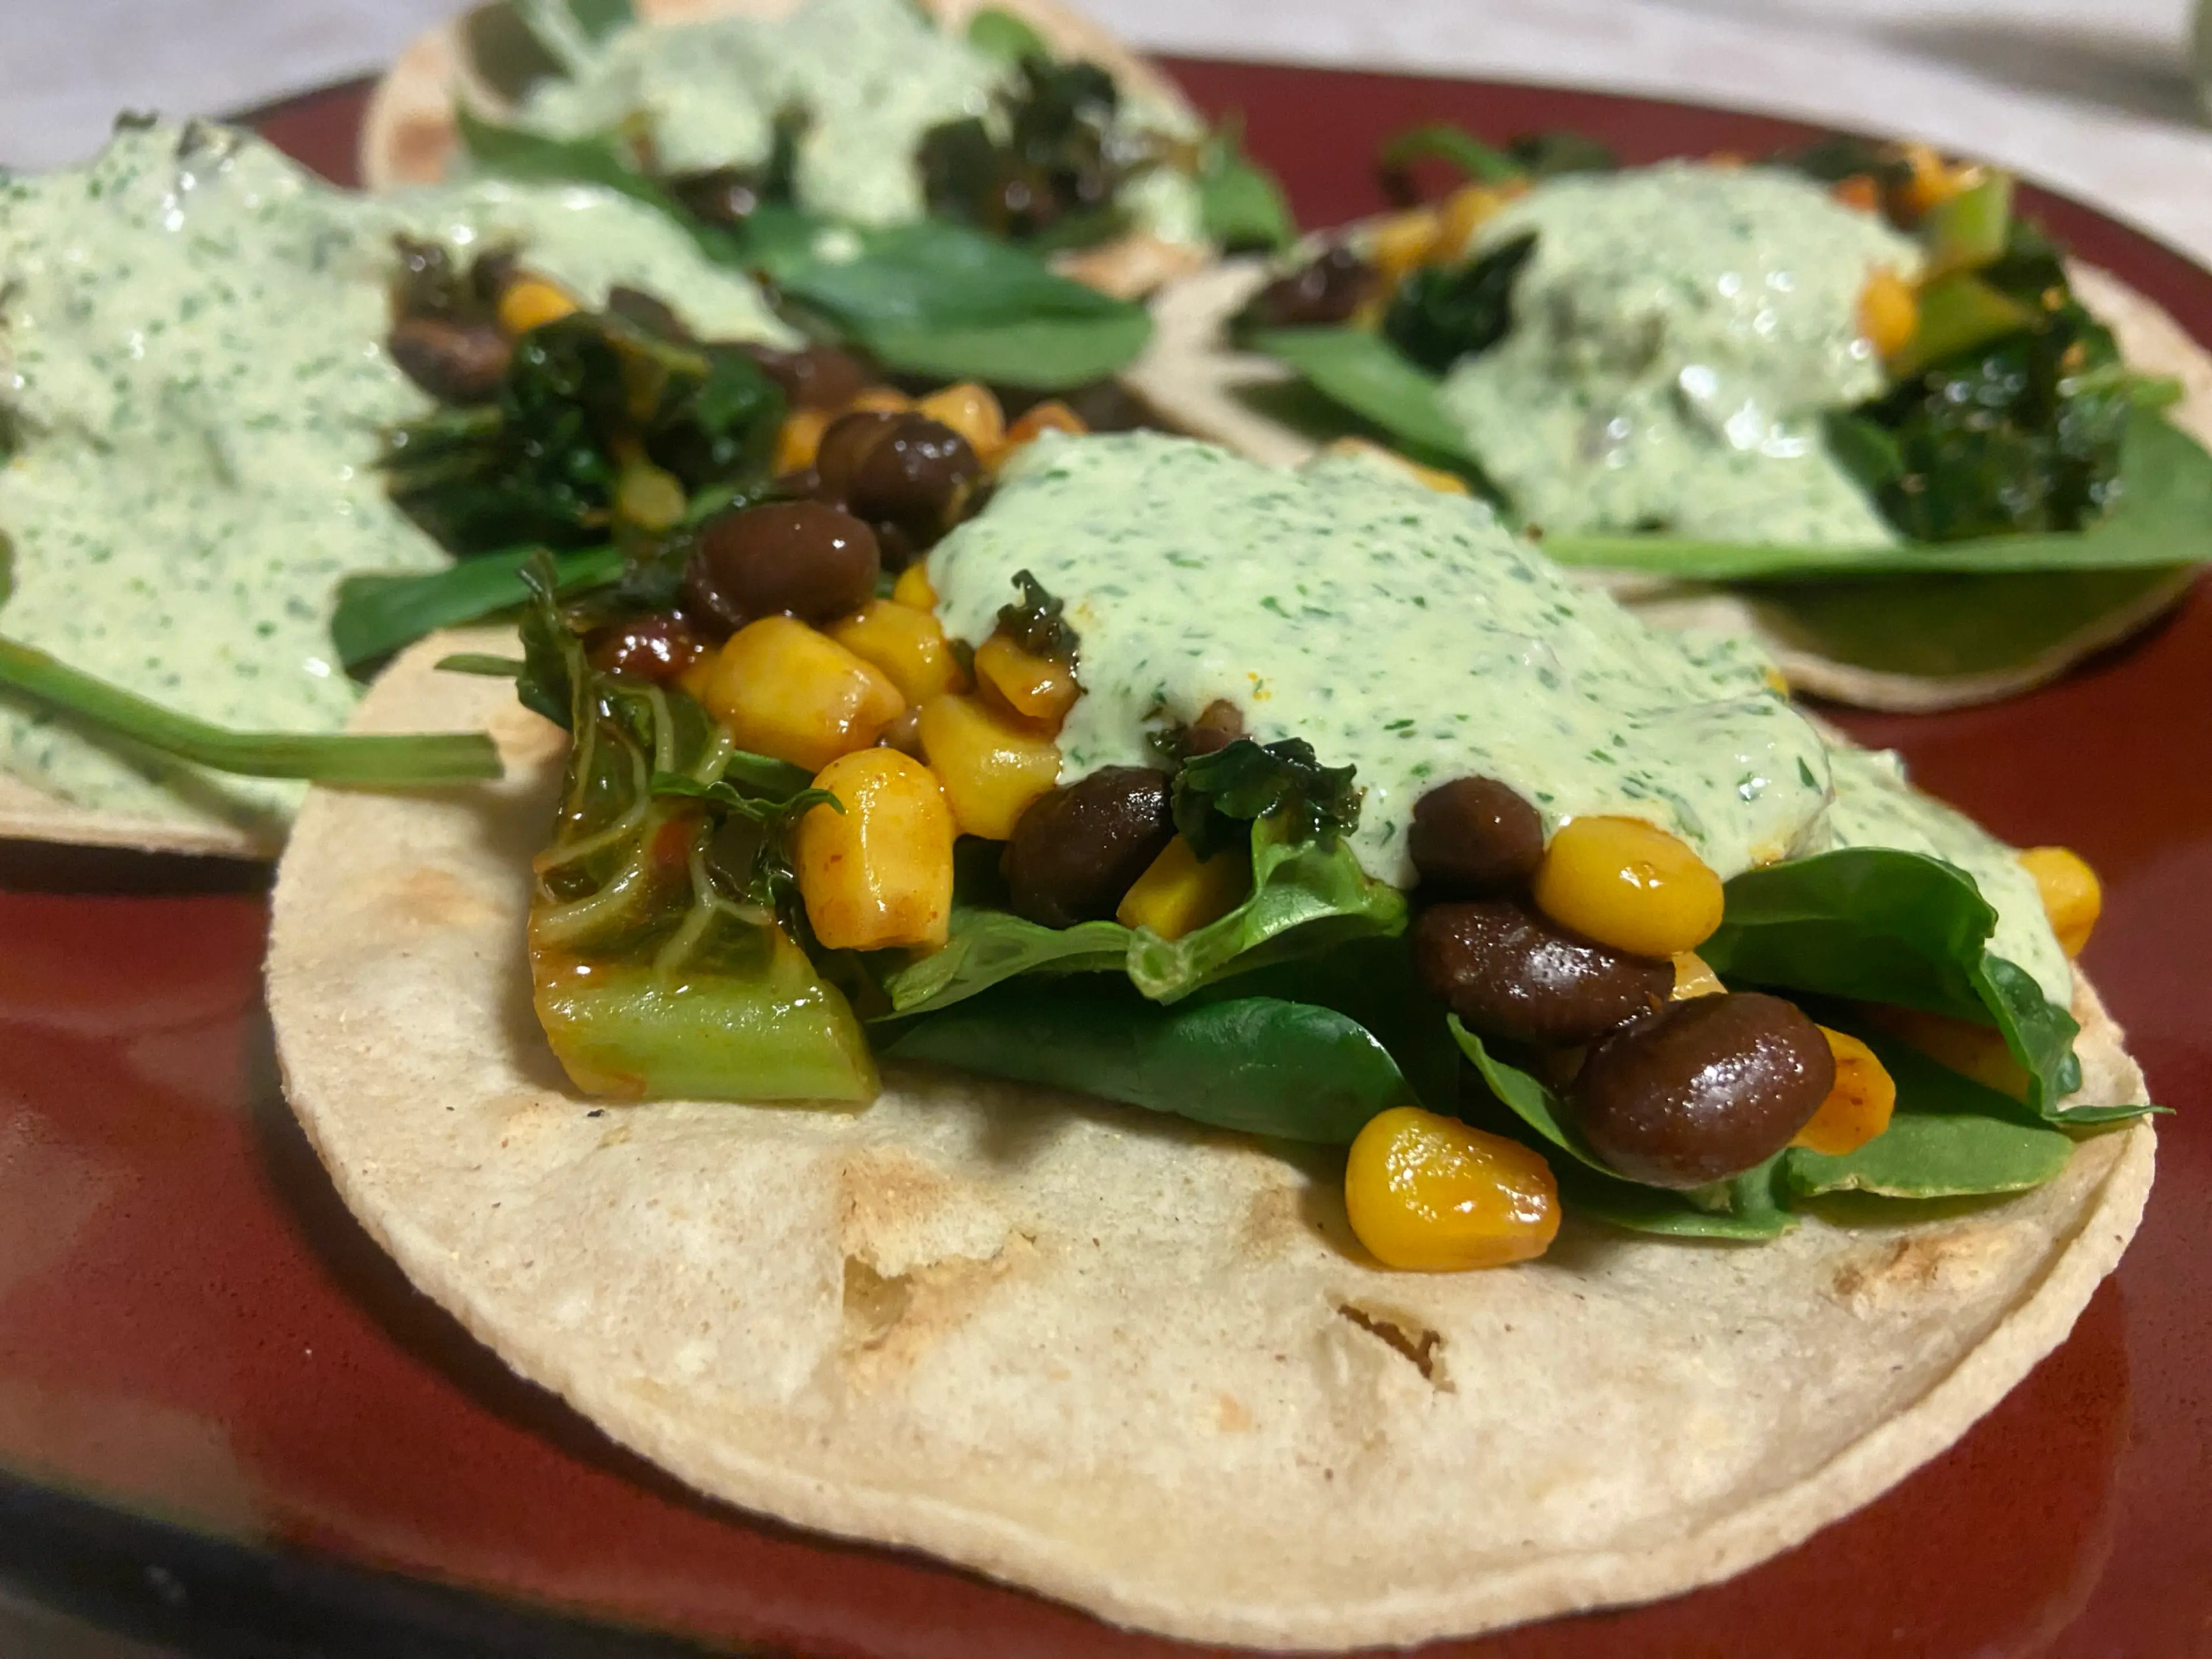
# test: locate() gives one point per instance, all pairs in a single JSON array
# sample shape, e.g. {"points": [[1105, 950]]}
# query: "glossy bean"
{"points": [[818, 377], [785, 558], [1329, 290], [1474, 836], [901, 471], [455, 362], [1507, 972], [657, 646], [1220, 724], [1077, 849], [1703, 1090]]}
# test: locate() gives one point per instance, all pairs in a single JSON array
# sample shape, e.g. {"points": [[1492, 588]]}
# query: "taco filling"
{"points": [[1312, 804]]}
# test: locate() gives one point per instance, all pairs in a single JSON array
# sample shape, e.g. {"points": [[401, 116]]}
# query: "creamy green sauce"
{"points": [[1408, 633], [872, 75], [190, 355], [1677, 335]]}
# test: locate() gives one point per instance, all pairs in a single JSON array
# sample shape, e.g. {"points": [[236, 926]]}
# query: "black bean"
{"points": [[904, 469], [796, 558], [1702, 1090], [648, 312], [1474, 836], [813, 377], [1508, 972], [1220, 724], [1327, 290], [455, 362], [1076, 850], [657, 646]]}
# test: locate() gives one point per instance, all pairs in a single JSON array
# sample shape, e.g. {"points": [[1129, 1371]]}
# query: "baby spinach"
{"points": [[1241, 204], [1217, 796], [1363, 372], [987, 946], [1258, 1064], [1441, 313], [377, 615]]}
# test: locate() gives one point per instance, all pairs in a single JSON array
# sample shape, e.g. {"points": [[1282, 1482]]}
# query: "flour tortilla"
{"points": [[1191, 378], [410, 135], [1121, 1360], [28, 813]]}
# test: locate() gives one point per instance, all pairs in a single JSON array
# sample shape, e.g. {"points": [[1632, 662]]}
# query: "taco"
{"points": [[1026, 121], [1847, 398], [1199, 916]]}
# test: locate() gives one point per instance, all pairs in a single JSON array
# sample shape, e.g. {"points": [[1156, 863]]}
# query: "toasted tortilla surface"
{"points": [[1108, 1356], [1191, 378], [409, 134]]}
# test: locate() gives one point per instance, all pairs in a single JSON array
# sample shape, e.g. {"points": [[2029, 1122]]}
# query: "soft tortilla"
{"points": [[30, 814], [409, 135], [1107, 1355], [1192, 379]]}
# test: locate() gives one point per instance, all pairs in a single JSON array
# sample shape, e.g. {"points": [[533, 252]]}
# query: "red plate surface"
{"points": [[191, 1328]]}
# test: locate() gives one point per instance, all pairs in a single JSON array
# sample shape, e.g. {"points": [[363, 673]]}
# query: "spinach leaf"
{"points": [[1260, 1065], [377, 615], [1366, 374], [1045, 163], [1742, 1207], [1880, 925], [1217, 796], [1548, 154], [518, 152], [1001, 36], [1454, 145], [1241, 204], [1441, 313], [1036, 621], [986, 946]]}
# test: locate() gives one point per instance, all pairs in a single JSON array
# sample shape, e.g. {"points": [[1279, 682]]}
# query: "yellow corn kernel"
{"points": [[2072, 895], [1436, 478], [1861, 192], [879, 400], [1934, 180], [913, 589], [1039, 688], [1432, 1194], [1973, 1051], [1629, 884], [1403, 243], [648, 496], [699, 674], [1050, 415], [992, 765], [879, 873], [532, 303], [799, 440], [970, 411], [1889, 311], [784, 689], [1177, 895], [905, 643], [1859, 1103], [1461, 216], [1693, 978]]}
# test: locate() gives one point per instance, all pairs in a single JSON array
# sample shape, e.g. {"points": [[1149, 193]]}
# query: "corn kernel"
{"points": [[1694, 978], [1629, 884], [992, 765], [1432, 1194], [1973, 1051], [2073, 898], [1861, 192], [879, 400], [1934, 180], [1403, 243], [1462, 214], [1050, 415], [1177, 895], [879, 874], [913, 589], [1859, 1103], [799, 440], [648, 496], [907, 644], [699, 675], [1432, 477], [1039, 688], [1889, 311], [532, 303], [785, 690], [970, 411]]}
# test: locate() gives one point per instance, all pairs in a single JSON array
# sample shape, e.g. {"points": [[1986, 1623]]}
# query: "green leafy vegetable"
{"points": [[1043, 163], [1002, 35], [1217, 796], [1548, 154], [1443, 142], [1035, 621], [1240, 203], [1443, 314], [986, 946], [659, 965], [385, 762], [377, 615], [1366, 374], [1260, 1065]]}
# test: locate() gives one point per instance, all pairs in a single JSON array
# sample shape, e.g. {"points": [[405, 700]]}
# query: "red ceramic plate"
{"points": [[227, 1421]]}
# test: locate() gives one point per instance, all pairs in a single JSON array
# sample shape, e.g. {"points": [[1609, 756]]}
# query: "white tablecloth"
{"points": [[2092, 95]]}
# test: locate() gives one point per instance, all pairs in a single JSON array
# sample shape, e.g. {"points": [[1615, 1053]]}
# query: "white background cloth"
{"points": [[2092, 95]]}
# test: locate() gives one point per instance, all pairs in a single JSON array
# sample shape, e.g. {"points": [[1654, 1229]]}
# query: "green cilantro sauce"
{"points": [[190, 361], [1676, 336], [871, 76], [1408, 633]]}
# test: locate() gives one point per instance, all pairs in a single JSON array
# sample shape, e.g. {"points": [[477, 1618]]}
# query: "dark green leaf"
{"points": [[1441, 314], [482, 663], [1240, 203], [505, 52], [1548, 154], [377, 615], [1257, 1064], [518, 152], [1364, 373], [1036, 621], [1217, 796], [379, 763], [1441, 141], [1001, 36]]}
